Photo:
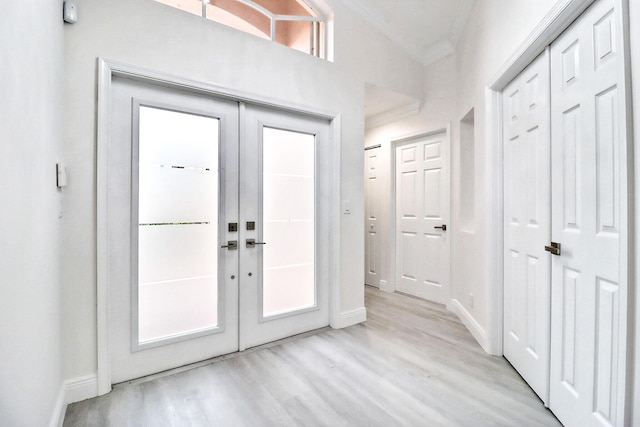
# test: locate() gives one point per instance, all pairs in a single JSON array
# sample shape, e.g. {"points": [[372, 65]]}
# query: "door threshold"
{"points": [[217, 359]]}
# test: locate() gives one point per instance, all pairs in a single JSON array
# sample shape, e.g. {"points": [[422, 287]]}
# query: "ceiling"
{"points": [[428, 30]]}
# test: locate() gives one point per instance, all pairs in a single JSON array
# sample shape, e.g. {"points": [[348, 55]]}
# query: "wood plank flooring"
{"points": [[411, 364]]}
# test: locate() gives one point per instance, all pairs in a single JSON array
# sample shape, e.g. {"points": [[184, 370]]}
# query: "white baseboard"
{"points": [[81, 388], [471, 323], [386, 287], [349, 318], [57, 417]]}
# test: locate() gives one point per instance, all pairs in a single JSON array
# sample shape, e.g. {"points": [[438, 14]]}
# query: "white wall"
{"points": [[453, 86], [30, 142], [435, 113], [148, 34], [483, 49]]}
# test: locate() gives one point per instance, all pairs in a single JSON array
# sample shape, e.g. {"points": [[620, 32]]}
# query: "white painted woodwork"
{"points": [[422, 203], [589, 211], [527, 229], [130, 358], [304, 199], [372, 196]]}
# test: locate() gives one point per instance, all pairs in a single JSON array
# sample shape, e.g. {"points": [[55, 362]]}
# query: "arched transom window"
{"points": [[292, 23]]}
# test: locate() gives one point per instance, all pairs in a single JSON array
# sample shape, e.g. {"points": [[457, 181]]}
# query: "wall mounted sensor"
{"points": [[70, 12]]}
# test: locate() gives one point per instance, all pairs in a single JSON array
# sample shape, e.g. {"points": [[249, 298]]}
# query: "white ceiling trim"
{"points": [[393, 115]]}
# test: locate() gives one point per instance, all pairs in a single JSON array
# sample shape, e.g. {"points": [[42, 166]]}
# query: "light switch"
{"points": [[347, 207]]}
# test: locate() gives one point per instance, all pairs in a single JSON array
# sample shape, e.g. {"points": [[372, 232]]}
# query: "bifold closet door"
{"points": [[589, 220], [527, 189]]}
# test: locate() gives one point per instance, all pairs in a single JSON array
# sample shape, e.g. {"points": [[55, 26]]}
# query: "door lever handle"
{"points": [[442, 227], [251, 243], [232, 245], [554, 249]]}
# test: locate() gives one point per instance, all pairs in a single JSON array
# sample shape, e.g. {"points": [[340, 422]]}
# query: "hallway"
{"points": [[412, 363]]}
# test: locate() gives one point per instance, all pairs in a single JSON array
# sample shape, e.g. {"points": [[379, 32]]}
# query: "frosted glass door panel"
{"points": [[178, 139], [288, 209], [165, 198], [173, 252], [178, 224]]}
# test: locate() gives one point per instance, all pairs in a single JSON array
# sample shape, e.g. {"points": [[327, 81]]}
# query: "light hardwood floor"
{"points": [[411, 364]]}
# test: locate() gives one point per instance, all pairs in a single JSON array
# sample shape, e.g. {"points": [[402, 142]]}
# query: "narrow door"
{"points": [[422, 217], [372, 200], [173, 160], [527, 196], [284, 212], [589, 211]]}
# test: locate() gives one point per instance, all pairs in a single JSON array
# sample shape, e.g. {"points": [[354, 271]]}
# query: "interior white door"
{"points": [[527, 195], [285, 187], [173, 187], [589, 220], [372, 212], [422, 216]]}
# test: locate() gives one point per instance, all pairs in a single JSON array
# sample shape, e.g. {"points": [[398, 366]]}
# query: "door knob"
{"points": [[554, 249], [442, 227]]}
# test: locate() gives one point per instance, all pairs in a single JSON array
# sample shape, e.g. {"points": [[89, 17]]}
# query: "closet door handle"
{"points": [[554, 249], [442, 227]]}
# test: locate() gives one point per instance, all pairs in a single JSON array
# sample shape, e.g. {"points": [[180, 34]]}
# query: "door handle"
{"points": [[554, 249], [251, 243], [232, 245], [442, 227]]}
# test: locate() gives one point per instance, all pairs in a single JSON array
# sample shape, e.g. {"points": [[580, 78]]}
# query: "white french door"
{"points": [[216, 227], [422, 217], [372, 212], [284, 289]]}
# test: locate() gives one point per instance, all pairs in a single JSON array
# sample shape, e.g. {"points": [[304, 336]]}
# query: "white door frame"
{"points": [[107, 70], [557, 20], [390, 286]]}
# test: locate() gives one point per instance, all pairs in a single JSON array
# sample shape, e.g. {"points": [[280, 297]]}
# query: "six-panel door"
{"points": [[422, 217], [588, 294]]}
